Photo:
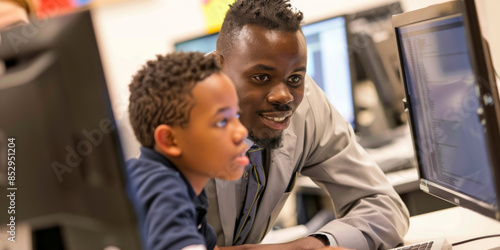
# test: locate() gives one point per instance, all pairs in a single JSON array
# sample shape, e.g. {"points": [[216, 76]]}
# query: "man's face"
{"points": [[268, 68], [212, 142]]}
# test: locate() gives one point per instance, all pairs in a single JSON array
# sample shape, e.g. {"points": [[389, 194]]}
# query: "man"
{"points": [[263, 51]]}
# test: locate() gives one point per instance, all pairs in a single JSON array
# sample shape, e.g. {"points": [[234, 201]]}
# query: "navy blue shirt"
{"points": [[170, 214]]}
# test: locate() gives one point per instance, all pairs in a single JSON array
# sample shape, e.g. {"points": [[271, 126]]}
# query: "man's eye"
{"points": [[221, 123], [295, 80], [261, 78]]}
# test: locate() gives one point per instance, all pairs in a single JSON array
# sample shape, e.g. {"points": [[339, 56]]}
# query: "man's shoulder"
{"points": [[314, 104], [316, 119], [313, 95]]}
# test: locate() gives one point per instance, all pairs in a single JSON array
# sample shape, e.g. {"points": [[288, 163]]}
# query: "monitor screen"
{"points": [[444, 91], [329, 63], [204, 44], [60, 154]]}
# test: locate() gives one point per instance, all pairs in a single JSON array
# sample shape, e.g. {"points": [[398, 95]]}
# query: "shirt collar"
{"points": [[248, 142]]}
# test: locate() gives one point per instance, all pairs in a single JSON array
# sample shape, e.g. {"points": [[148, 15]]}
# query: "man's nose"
{"points": [[280, 94]]}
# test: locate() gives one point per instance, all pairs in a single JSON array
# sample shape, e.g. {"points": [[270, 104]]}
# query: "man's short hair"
{"points": [[160, 93], [270, 14]]}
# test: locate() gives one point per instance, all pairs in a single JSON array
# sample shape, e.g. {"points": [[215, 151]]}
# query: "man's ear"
{"points": [[219, 56], [166, 140]]}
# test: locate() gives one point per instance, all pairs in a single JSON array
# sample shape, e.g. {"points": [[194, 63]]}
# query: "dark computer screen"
{"points": [[60, 151], [447, 96]]}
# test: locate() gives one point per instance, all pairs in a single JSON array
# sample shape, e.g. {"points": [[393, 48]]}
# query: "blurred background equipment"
{"points": [[377, 70]]}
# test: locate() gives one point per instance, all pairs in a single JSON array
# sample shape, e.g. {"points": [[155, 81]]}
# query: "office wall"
{"points": [[133, 31]]}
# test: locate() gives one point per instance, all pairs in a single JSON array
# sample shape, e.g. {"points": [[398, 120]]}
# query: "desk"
{"points": [[455, 224]]}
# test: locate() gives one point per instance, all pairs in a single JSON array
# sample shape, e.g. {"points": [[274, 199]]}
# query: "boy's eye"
{"points": [[295, 80], [261, 78], [221, 123]]}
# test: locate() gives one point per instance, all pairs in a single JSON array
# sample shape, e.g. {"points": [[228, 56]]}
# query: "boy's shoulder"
{"points": [[148, 164], [166, 205], [153, 172], [151, 163], [136, 167]]}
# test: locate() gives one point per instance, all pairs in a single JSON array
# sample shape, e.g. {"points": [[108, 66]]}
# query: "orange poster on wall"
{"points": [[49, 8]]}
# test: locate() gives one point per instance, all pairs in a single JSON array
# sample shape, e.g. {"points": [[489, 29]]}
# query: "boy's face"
{"points": [[212, 142], [268, 68]]}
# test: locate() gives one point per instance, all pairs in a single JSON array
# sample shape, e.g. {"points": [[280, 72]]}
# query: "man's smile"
{"points": [[278, 120]]}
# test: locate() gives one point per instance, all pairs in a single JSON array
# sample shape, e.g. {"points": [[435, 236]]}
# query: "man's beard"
{"points": [[266, 143]]}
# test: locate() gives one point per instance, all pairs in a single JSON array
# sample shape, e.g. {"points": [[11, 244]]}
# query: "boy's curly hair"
{"points": [[160, 93], [270, 14]]}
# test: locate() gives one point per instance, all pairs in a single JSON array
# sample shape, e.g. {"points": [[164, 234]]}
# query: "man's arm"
{"points": [[304, 243], [370, 213]]}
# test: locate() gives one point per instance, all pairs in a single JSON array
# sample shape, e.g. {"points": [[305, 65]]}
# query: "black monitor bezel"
{"points": [[69, 44], [481, 63]]}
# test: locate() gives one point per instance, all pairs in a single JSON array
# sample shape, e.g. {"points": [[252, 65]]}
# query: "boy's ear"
{"points": [[166, 141]]}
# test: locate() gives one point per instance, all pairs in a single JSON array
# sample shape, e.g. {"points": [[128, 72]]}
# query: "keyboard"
{"points": [[437, 244]]}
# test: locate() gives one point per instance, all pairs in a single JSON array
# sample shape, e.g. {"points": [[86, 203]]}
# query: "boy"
{"points": [[184, 112]]}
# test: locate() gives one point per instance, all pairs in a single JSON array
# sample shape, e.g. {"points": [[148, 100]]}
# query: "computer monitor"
{"points": [[375, 57], [330, 64], [204, 44], [60, 154], [453, 104]]}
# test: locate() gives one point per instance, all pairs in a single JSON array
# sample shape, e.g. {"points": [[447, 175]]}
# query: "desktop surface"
{"points": [[455, 224]]}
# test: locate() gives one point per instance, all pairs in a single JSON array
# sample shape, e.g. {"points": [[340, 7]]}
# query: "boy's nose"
{"points": [[241, 133]]}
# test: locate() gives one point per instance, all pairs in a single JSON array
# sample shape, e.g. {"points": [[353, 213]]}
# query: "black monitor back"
{"points": [[55, 109]]}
